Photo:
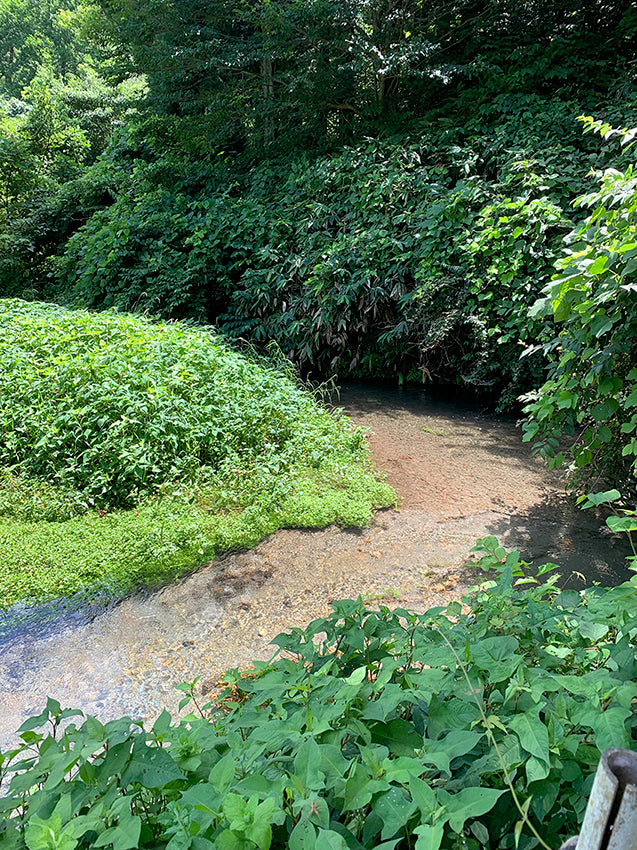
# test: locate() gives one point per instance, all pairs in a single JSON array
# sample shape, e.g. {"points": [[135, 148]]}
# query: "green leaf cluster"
{"points": [[371, 729], [118, 407], [591, 391]]}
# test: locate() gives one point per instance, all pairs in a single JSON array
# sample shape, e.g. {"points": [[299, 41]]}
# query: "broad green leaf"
{"points": [[303, 836], [450, 714], [222, 773], [125, 836], [631, 399], [497, 655], [481, 833], [610, 728], [532, 733], [256, 784], [260, 830], [315, 809], [540, 307], [307, 763], [429, 837], [333, 763], [622, 523], [234, 808], [536, 769], [152, 767], [394, 808], [228, 840], [578, 685], [400, 769], [352, 842], [593, 631], [327, 839], [544, 796], [601, 498], [34, 722], [357, 677], [398, 735], [459, 743], [469, 803], [423, 796], [162, 724], [604, 410], [599, 265], [600, 325], [358, 789], [203, 796]]}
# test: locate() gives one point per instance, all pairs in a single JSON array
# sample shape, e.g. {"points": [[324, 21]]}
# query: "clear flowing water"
{"points": [[460, 474]]}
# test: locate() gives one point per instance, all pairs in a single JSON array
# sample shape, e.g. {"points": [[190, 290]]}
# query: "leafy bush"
{"points": [[118, 407], [205, 448], [372, 729], [591, 391], [414, 255]]}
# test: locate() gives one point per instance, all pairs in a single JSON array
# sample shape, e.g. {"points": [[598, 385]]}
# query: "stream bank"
{"points": [[460, 474]]}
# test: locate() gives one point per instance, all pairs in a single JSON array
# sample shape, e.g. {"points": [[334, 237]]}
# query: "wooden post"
{"points": [[610, 822]]}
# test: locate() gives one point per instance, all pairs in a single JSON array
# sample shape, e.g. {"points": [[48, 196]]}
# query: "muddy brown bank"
{"points": [[459, 474]]}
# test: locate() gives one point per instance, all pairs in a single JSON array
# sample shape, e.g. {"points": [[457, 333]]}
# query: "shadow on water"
{"points": [[394, 402], [579, 542], [23, 623]]}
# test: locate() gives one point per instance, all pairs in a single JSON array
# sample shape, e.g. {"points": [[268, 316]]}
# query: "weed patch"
{"points": [[133, 451]]}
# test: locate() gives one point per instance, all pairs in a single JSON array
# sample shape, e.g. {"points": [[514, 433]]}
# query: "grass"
{"points": [[132, 452]]}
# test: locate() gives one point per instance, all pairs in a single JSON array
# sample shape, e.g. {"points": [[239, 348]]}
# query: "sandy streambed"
{"points": [[460, 475]]}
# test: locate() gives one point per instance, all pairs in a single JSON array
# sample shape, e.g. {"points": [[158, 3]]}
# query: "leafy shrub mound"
{"points": [[372, 729], [117, 407], [199, 448]]}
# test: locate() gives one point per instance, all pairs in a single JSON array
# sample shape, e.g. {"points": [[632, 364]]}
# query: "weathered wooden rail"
{"points": [[610, 822]]}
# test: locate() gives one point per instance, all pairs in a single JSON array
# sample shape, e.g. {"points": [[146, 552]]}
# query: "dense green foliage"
{"points": [[411, 257], [372, 729], [58, 110], [379, 187], [376, 261], [295, 74], [591, 392], [116, 407], [204, 448], [583, 415]]}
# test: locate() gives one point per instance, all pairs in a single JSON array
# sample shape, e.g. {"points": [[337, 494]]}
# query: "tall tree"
{"points": [[305, 70]]}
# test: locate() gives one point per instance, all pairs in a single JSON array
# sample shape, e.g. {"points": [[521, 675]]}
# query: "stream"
{"points": [[460, 474]]}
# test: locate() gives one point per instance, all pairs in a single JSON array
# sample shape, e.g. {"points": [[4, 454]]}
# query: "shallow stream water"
{"points": [[460, 474]]}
